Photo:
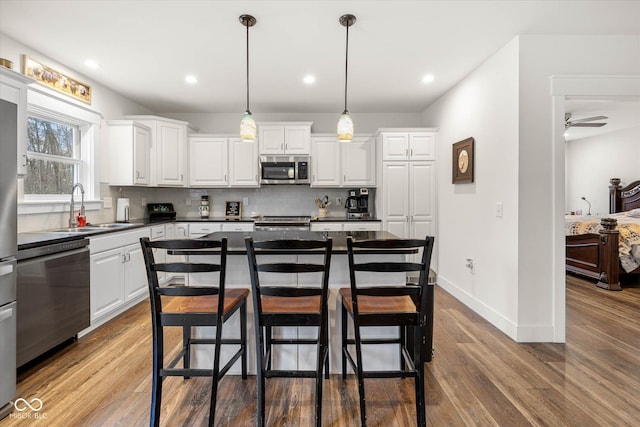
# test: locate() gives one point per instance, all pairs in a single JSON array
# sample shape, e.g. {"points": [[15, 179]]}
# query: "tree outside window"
{"points": [[54, 157]]}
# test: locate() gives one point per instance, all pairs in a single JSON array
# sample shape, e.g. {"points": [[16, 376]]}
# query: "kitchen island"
{"points": [[292, 356]]}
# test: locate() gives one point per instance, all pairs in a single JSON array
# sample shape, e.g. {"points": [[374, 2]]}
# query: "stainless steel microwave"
{"points": [[284, 170]]}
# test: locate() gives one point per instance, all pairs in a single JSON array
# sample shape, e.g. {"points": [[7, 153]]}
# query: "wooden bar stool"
{"points": [[188, 306], [410, 307], [290, 306]]}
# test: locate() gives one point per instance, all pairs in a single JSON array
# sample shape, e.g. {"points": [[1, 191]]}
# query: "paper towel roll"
{"points": [[122, 210]]}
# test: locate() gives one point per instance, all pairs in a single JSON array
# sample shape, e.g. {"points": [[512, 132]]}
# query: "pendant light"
{"points": [[247, 124], [345, 124]]}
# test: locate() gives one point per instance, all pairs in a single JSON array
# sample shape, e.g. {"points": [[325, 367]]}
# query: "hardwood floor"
{"points": [[478, 377]]}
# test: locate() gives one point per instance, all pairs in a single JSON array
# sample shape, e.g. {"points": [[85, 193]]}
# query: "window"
{"points": [[62, 148], [54, 152]]}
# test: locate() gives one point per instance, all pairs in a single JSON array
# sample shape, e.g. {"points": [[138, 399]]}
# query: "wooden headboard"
{"points": [[623, 199]]}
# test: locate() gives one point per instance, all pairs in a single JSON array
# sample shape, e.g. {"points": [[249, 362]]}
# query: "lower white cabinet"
{"points": [[359, 225], [118, 275]]}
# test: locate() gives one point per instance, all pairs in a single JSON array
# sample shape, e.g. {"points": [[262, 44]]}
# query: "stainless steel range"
{"points": [[283, 223]]}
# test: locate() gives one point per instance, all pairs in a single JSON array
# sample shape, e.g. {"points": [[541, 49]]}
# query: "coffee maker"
{"points": [[357, 204]]}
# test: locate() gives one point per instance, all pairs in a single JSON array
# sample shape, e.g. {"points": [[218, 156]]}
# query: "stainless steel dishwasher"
{"points": [[53, 300]]}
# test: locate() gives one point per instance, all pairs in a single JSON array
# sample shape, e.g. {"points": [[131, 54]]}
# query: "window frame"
{"points": [[43, 105]]}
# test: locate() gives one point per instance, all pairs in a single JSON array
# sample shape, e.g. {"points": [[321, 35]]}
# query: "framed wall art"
{"points": [[463, 160], [54, 79], [232, 209]]}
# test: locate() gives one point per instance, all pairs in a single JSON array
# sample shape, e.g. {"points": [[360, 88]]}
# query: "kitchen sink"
{"points": [[94, 228], [88, 229], [112, 225]]}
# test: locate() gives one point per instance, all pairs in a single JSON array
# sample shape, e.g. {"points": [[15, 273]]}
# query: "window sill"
{"points": [[54, 206]]}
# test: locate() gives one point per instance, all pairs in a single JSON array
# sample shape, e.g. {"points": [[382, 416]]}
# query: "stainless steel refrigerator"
{"points": [[8, 249]]}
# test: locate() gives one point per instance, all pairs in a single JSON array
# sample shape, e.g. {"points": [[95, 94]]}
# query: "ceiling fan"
{"points": [[583, 122]]}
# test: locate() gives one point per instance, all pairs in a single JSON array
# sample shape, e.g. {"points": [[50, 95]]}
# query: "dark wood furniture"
{"points": [[187, 306], [596, 255], [281, 305], [410, 307]]}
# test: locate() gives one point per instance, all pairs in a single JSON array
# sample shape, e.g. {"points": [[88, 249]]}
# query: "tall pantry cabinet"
{"points": [[406, 167]]}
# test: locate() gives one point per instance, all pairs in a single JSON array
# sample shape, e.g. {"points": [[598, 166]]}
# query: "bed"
{"points": [[605, 248]]}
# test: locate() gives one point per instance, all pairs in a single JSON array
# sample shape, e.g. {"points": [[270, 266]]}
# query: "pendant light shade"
{"points": [[345, 124], [248, 128]]}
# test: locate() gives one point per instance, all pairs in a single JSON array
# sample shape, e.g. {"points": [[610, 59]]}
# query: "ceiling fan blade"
{"points": [[586, 125], [588, 119]]}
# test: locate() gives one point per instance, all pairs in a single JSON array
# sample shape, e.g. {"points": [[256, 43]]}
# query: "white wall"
{"points": [[506, 105], [591, 162], [542, 57], [484, 106]]}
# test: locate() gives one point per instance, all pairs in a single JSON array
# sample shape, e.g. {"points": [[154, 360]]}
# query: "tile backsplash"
{"points": [[266, 200]]}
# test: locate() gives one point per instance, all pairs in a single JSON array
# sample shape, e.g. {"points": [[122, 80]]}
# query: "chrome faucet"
{"points": [[72, 220]]}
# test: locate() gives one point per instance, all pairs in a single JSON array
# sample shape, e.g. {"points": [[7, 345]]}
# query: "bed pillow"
{"points": [[635, 213]]}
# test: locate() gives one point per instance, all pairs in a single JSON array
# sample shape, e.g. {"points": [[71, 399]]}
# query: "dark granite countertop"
{"points": [[213, 219], [343, 219]]}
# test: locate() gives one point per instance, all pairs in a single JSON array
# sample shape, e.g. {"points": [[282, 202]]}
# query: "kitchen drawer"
{"points": [[237, 226], [362, 226], [114, 240], [326, 226], [202, 229], [157, 232]]}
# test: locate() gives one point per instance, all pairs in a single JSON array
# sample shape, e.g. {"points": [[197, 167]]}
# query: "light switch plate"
{"points": [[245, 201], [107, 203], [499, 209]]}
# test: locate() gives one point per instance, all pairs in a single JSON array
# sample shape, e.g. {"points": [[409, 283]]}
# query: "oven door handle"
{"points": [[6, 314]]}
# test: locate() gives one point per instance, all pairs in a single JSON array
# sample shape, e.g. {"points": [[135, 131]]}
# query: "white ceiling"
{"points": [[145, 48]]}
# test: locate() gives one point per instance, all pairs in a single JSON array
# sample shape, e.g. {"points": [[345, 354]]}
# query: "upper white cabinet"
{"points": [[219, 161], [284, 138], [408, 146], [208, 164], [168, 150], [342, 164], [129, 153], [13, 88]]}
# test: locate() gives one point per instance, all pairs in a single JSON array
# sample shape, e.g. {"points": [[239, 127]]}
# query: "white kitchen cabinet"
{"points": [[13, 88], [129, 153], [414, 145], [208, 163], [243, 163], [158, 232], [284, 138], [117, 273], [220, 161], [358, 162], [326, 169], [342, 164], [168, 150], [407, 196]]}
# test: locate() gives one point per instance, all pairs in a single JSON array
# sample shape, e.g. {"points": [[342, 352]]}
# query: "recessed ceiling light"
{"points": [[91, 63], [428, 78], [191, 79], [309, 79]]}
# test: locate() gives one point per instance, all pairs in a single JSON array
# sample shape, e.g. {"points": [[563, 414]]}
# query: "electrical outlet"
{"points": [[245, 201], [107, 203], [499, 209], [339, 201], [188, 201], [143, 202]]}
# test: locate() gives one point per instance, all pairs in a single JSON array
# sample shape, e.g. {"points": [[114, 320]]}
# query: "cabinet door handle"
{"points": [[181, 177], [406, 152], [26, 161], [282, 146], [411, 152], [124, 258], [137, 174], [225, 177], [128, 257]]}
